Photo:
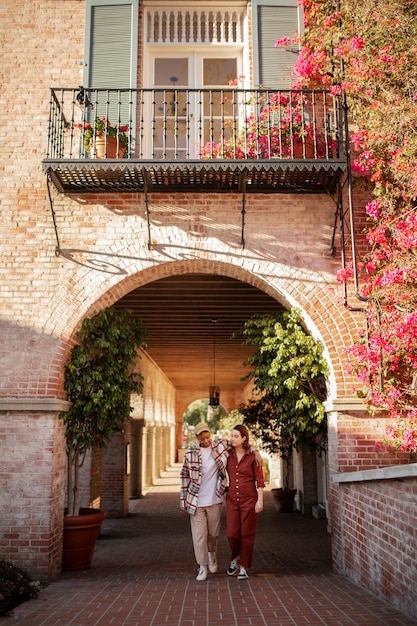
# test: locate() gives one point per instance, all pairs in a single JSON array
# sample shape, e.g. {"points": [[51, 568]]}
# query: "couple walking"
{"points": [[210, 469]]}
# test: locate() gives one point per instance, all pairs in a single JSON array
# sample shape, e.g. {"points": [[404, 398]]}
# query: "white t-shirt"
{"points": [[207, 492]]}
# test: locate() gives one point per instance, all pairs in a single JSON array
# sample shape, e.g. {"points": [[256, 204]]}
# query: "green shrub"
{"points": [[15, 587]]}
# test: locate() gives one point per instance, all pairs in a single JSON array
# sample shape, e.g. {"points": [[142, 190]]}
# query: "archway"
{"points": [[230, 285], [200, 411], [190, 300]]}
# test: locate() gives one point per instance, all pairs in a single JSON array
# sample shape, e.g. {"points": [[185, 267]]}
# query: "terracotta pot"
{"points": [[284, 499], [299, 149], [106, 148], [80, 535]]}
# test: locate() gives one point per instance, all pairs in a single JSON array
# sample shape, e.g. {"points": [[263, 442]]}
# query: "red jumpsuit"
{"points": [[244, 477]]}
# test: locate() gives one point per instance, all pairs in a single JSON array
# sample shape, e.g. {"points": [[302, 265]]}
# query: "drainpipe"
{"points": [[358, 296]]}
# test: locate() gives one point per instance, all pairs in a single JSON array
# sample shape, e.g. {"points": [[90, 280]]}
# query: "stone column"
{"points": [[135, 459]]}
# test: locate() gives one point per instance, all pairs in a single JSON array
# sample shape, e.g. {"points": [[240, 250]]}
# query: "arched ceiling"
{"points": [[178, 312]]}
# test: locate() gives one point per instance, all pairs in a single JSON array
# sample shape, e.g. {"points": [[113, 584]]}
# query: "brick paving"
{"points": [[143, 574]]}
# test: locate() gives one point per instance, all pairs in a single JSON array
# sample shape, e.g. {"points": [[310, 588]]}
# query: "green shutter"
{"points": [[276, 64], [111, 51], [110, 46]]}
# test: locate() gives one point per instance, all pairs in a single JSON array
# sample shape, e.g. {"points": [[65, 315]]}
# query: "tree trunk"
{"points": [[76, 486], [70, 479]]}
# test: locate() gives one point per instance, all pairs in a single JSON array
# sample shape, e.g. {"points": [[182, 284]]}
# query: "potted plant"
{"points": [[99, 378], [103, 139], [288, 372]]}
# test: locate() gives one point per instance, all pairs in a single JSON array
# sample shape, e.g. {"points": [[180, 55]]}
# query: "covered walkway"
{"points": [[143, 574]]}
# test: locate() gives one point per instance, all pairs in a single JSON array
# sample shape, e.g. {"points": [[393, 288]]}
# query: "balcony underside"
{"points": [[199, 176]]}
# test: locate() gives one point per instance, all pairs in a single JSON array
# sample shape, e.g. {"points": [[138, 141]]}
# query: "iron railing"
{"points": [[187, 124]]}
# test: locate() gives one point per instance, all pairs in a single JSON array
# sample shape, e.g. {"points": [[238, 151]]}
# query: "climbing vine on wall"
{"points": [[367, 50]]}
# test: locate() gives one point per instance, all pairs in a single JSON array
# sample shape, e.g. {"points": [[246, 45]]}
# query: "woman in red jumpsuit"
{"points": [[244, 500]]}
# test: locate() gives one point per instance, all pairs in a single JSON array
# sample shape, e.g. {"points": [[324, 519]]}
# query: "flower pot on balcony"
{"points": [[80, 535], [284, 499], [305, 151], [106, 148]]}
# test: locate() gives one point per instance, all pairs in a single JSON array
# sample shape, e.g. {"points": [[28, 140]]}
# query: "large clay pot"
{"points": [[306, 151], [80, 535], [106, 148], [284, 499]]}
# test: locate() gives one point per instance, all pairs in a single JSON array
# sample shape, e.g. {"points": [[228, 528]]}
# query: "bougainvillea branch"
{"points": [[367, 49]]}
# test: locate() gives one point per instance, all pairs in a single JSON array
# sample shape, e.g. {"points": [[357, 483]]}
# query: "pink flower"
{"points": [[356, 43], [284, 41], [372, 209]]}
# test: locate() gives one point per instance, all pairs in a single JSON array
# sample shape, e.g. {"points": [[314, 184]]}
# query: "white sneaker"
{"points": [[243, 575], [212, 564], [202, 573]]}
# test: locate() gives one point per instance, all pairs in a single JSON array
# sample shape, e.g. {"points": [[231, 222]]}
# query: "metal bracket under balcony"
{"points": [[252, 176]]}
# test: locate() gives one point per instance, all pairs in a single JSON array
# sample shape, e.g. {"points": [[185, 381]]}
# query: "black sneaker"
{"points": [[233, 567], [243, 575]]}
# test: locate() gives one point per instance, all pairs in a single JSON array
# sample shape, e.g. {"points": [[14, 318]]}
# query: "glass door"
{"points": [[220, 109], [171, 108], [188, 107]]}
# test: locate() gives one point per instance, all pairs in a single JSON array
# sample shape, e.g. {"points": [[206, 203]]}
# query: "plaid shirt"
{"points": [[191, 473]]}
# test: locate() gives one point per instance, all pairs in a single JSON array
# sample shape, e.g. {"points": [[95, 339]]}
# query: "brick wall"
{"points": [[372, 519], [115, 491], [32, 481], [374, 539]]}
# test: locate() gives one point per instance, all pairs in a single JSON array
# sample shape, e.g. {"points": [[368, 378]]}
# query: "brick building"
{"points": [[81, 233]]}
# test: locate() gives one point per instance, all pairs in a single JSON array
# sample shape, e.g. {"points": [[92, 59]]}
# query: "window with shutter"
{"points": [[111, 53], [272, 20]]}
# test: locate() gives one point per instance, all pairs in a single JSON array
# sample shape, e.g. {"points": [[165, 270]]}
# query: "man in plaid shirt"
{"points": [[203, 482]]}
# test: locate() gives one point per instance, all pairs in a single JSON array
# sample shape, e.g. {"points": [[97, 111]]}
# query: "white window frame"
{"points": [[195, 52]]}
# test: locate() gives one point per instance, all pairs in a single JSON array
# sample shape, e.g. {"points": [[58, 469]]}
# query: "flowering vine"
{"points": [[368, 50], [278, 129]]}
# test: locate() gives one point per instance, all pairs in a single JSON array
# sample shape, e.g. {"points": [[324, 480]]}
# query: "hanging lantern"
{"points": [[214, 391], [214, 396]]}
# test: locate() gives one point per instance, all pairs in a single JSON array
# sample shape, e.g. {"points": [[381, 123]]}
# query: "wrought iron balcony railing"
{"points": [[156, 132]]}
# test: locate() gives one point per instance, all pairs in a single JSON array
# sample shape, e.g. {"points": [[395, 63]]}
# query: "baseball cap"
{"points": [[200, 428]]}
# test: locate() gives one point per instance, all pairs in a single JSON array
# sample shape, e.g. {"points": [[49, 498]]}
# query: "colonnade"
{"points": [[152, 450]]}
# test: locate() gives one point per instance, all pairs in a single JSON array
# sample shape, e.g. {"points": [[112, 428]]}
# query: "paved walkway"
{"points": [[143, 574]]}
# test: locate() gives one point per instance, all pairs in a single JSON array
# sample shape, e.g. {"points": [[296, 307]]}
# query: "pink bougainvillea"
{"points": [[279, 130], [370, 53], [401, 435]]}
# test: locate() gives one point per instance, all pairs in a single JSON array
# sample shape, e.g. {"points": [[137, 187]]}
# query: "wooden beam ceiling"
{"points": [[179, 312]]}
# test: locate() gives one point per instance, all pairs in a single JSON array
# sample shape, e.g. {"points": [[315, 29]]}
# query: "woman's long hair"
{"points": [[244, 433]]}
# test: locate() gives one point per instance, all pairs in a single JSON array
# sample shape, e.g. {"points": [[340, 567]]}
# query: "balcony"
{"points": [[199, 140]]}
